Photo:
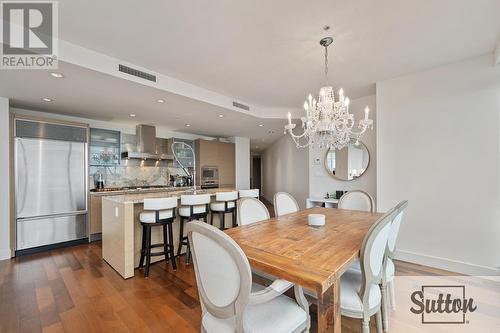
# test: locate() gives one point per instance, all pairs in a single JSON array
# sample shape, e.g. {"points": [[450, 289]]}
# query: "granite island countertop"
{"points": [[139, 190], [138, 198]]}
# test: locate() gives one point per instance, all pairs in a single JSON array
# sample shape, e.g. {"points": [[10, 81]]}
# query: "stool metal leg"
{"points": [[143, 247], [148, 249], [171, 246], [181, 236], [212, 218], [222, 220], [188, 251], [233, 217], [165, 243]]}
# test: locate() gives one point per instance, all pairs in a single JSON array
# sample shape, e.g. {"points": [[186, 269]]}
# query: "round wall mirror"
{"points": [[349, 162]]}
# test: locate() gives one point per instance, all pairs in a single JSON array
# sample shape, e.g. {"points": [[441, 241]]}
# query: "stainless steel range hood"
{"points": [[147, 148]]}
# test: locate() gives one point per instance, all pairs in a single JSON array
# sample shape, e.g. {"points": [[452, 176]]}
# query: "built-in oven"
{"points": [[209, 177]]}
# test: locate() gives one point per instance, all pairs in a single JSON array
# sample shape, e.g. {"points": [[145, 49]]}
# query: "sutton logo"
{"points": [[442, 304]]}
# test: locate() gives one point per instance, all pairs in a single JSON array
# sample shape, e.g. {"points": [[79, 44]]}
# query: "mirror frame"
{"points": [[325, 164]]}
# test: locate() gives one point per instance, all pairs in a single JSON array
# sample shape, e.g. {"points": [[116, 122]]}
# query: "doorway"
{"points": [[256, 173]]}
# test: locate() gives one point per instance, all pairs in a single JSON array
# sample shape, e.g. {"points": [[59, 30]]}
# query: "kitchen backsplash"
{"points": [[120, 176]]}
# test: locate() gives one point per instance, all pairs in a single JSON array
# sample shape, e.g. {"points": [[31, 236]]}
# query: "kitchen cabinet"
{"points": [[95, 217], [183, 153], [219, 154], [104, 147]]}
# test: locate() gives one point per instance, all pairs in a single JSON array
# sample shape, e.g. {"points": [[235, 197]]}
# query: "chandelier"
{"points": [[328, 123]]}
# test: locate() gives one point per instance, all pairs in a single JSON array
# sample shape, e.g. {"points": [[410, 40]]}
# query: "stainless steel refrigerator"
{"points": [[50, 183]]}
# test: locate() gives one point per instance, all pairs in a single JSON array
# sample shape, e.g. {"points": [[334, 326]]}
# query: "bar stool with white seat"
{"points": [[237, 304], [225, 202], [253, 193], [284, 203], [357, 200], [193, 207], [158, 212]]}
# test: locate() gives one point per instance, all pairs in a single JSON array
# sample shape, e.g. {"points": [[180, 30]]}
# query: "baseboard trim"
{"points": [[5, 254], [447, 264]]}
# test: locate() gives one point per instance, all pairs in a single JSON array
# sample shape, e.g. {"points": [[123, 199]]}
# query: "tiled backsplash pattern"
{"points": [[119, 176]]}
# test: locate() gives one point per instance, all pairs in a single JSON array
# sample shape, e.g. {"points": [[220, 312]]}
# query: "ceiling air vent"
{"points": [[241, 106], [136, 72]]}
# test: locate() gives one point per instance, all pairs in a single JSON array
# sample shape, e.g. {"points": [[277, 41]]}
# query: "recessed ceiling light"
{"points": [[56, 75], [160, 100], [221, 116], [188, 125], [132, 115], [261, 125], [46, 99]]}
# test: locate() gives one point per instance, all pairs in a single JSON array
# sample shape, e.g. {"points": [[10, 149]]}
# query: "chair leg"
{"points": [[212, 218], [181, 236], [385, 315], [143, 247], [171, 246], [235, 216], [222, 221], [392, 295], [378, 319], [366, 325], [188, 253], [148, 253], [165, 243]]}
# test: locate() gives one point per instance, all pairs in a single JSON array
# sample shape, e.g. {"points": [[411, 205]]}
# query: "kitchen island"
{"points": [[121, 229]]}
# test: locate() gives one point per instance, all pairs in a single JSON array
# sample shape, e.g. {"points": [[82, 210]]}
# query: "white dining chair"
{"points": [[229, 300], [357, 200], [388, 295], [284, 203], [360, 293], [251, 210], [252, 193]]}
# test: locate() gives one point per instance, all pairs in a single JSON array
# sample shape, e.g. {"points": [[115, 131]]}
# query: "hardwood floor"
{"points": [[73, 290]]}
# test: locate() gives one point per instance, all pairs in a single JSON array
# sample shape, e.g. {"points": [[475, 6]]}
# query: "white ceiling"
{"points": [[89, 94], [265, 53]]}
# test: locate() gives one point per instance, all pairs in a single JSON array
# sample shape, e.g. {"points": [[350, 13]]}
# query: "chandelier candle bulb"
{"points": [[289, 118], [367, 113]]}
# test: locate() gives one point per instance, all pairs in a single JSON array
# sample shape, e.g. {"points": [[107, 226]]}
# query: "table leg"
{"points": [[329, 309]]}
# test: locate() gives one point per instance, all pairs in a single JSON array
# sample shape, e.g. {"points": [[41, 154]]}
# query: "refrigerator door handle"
{"points": [[38, 217]]}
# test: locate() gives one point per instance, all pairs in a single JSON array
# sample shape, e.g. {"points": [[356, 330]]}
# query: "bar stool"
{"points": [[253, 193], [157, 212], [193, 207], [225, 203]]}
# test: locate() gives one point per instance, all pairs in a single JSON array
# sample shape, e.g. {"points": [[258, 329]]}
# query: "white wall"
{"points": [[4, 180], [285, 168], [321, 182], [438, 146], [242, 156]]}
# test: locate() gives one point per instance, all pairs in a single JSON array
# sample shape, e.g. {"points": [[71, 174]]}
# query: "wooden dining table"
{"points": [[312, 257]]}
